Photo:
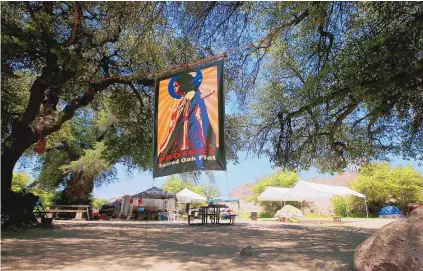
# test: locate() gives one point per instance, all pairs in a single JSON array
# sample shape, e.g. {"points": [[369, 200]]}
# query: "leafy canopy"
{"points": [[174, 185], [97, 203], [341, 84], [21, 181], [381, 184]]}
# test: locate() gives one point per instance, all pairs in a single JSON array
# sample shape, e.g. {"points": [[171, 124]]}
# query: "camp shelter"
{"points": [[224, 200], [188, 196], [152, 198], [303, 191]]}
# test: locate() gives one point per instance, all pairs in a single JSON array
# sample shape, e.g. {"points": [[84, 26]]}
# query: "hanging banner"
{"points": [[189, 121]]}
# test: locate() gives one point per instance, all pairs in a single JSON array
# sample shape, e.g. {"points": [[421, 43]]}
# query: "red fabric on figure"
{"points": [[131, 201], [40, 148]]}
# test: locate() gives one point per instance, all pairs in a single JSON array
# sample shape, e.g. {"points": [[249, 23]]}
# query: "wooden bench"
{"points": [[78, 209], [336, 219]]}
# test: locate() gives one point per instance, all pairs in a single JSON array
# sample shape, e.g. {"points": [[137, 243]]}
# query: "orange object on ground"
{"points": [[283, 219]]}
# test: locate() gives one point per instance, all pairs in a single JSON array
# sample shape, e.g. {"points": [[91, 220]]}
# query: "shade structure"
{"points": [[313, 191], [154, 193], [223, 199], [274, 194], [306, 191], [188, 196], [116, 201]]}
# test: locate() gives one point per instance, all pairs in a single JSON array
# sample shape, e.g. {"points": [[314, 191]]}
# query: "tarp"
{"points": [[390, 212], [116, 201], [306, 191], [224, 199], [289, 211], [189, 121], [154, 193], [188, 196]]}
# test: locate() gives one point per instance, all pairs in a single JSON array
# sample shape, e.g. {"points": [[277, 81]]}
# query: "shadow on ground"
{"points": [[158, 246]]}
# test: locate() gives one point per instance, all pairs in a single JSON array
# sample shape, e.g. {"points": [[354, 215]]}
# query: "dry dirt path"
{"points": [[123, 246]]}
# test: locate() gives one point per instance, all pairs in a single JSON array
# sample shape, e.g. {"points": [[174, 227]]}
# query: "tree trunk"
{"points": [[17, 208], [78, 189], [13, 148], [8, 162]]}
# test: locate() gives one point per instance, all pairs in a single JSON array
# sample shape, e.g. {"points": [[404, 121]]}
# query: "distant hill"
{"points": [[243, 193], [343, 179]]}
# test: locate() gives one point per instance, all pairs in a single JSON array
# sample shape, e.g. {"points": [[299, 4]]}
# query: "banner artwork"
{"points": [[189, 121]]}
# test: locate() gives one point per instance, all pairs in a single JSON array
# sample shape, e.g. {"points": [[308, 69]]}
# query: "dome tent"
{"points": [[390, 212], [289, 211]]}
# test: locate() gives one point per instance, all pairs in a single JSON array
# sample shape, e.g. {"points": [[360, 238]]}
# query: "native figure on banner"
{"points": [[189, 125]]}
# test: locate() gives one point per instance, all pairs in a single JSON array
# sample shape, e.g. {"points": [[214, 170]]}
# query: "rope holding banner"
{"points": [[227, 181]]}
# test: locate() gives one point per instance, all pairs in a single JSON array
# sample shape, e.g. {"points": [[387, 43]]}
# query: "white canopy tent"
{"points": [[307, 191], [188, 196], [273, 194]]}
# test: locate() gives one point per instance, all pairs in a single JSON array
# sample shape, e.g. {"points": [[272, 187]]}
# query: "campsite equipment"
{"points": [[390, 212], [188, 196], [302, 191], [289, 211]]}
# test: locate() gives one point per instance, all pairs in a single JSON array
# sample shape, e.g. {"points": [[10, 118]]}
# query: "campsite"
{"points": [[212, 135]]}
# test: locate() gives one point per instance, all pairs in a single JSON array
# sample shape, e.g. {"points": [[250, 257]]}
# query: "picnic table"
{"points": [[78, 209], [212, 212]]}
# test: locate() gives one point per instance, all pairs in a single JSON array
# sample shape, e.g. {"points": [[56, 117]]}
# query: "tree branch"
{"points": [[77, 11], [351, 107], [147, 79], [137, 94]]}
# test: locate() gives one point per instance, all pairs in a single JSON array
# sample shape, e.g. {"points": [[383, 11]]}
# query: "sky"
{"points": [[247, 171]]}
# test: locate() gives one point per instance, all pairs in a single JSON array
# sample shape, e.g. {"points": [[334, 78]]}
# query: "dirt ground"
{"points": [[171, 246]]}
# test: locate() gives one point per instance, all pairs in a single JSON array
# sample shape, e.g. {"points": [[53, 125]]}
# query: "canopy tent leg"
{"points": [[318, 212], [367, 210], [346, 209]]}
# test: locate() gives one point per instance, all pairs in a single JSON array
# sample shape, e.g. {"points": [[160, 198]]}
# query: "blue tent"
{"points": [[390, 212]]}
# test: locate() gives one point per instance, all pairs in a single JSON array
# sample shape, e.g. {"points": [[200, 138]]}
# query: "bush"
{"points": [[384, 185], [266, 214], [243, 215], [97, 203], [339, 206]]}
